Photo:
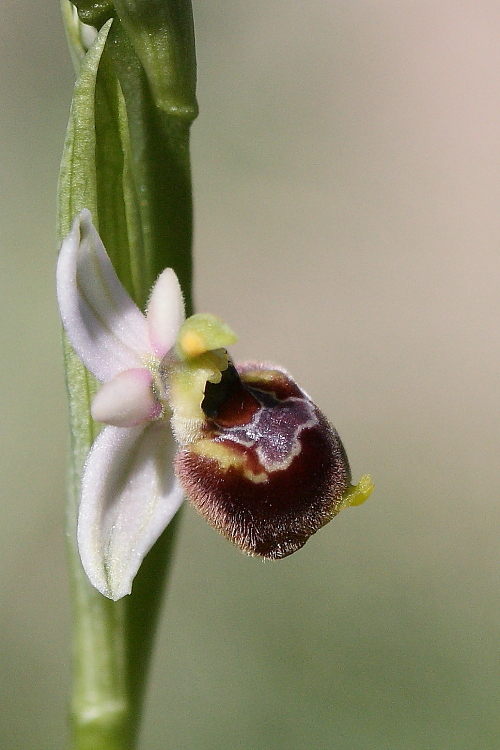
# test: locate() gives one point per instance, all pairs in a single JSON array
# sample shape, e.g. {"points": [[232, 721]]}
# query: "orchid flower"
{"points": [[246, 444]]}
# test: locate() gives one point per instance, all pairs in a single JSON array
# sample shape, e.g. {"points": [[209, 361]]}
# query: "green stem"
{"points": [[126, 158]]}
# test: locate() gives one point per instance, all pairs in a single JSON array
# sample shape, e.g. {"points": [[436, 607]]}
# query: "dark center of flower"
{"points": [[229, 403]]}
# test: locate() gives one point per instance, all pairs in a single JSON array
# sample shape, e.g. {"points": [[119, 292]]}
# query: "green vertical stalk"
{"points": [[126, 158]]}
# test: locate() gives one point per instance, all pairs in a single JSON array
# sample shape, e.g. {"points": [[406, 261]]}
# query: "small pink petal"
{"points": [[165, 313], [127, 400], [105, 327], [129, 495]]}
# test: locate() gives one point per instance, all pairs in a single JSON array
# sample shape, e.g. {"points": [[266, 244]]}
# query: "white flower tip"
{"points": [[83, 222], [165, 313], [84, 219], [81, 228], [127, 400]]}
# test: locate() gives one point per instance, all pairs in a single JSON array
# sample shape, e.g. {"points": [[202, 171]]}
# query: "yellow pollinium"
{"points": [[357, 494], [192, 344], [203, 333]]}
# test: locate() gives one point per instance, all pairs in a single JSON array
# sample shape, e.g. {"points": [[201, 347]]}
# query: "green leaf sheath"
{"points": [[126, 159], [160, 170], [162, 34]]}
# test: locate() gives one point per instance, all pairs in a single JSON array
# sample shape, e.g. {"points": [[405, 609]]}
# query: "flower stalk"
{"points": [[126, 159]]}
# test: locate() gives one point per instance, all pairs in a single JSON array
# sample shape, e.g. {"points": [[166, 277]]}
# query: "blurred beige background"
{"points": [[347, 183]]}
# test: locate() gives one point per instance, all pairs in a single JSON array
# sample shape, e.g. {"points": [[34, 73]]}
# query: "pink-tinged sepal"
{"points": [[105, 327], [129, 495], [270, 470]]}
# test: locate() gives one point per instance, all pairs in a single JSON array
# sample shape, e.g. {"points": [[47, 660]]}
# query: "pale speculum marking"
{"points": [[273, 433]]}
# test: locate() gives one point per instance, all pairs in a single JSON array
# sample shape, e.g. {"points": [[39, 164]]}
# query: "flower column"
{"points": [[126, 159]]}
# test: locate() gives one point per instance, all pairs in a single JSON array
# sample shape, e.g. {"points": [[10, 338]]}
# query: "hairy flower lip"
{"points": [[272, 514], [267, 489]]}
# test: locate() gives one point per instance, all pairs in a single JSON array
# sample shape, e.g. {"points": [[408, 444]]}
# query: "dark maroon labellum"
{"points": [[271, 470]]}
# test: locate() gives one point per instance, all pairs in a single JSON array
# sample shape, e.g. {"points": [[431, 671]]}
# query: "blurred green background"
{"points": [[347, 184]]}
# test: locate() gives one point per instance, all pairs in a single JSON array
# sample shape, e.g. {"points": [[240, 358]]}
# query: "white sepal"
{"points": [[105, 327], [165, 313], [129, 495], [127, 400]]}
